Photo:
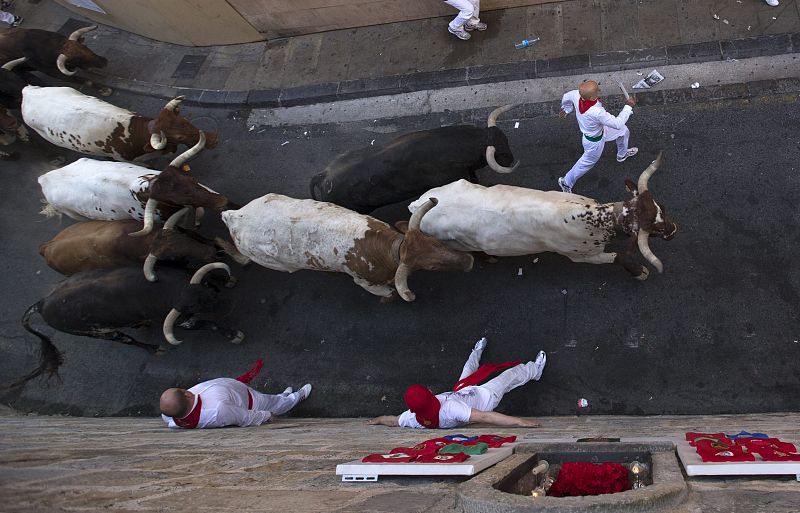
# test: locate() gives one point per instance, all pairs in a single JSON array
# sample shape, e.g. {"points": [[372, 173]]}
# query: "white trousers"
{"points": [[507, 381], [592, 151], [7, 17], [469, 10], [276, 404]]}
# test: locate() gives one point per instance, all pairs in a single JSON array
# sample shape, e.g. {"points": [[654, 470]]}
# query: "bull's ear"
{"points": [[630, 186], [402, 226]]}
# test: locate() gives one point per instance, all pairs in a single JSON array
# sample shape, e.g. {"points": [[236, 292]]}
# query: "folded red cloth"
{"points": [[715, 444], [753, 444], [691, 436], [397, 457], [734, 453], [442, 458], [417, 450], [493, 441], [773, 455]]}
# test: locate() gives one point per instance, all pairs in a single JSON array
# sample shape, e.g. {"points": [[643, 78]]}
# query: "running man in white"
{"points": [[467, 19], [597, 126], [225, 402], [470, 402]]}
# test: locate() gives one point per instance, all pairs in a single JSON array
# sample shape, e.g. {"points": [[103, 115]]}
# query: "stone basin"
{"points": [[505, 488]]}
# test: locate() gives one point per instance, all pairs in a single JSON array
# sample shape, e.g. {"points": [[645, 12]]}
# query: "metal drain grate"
{"points": [[189, 66]]}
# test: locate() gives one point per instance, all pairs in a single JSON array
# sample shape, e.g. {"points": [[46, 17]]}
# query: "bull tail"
{"points": [[49, 211], [230, 250], [50, 358], [316, 186]]}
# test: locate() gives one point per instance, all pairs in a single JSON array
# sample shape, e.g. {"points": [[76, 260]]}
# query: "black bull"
{"points": [[409, 165], [99, 303]]}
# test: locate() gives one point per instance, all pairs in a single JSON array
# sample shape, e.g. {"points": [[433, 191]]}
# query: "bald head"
{"points": [[176, 402], [589, 90]]}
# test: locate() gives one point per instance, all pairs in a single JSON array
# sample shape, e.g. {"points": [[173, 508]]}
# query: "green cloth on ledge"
{"points": [[472, 450]]}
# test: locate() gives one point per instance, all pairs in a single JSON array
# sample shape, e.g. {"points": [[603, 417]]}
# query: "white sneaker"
{"points": [[538, 365], [630, 153], [305, 391], [481, 344], [564, 187], [288, 390], [773, 3], [460, 33], [478, 25]]}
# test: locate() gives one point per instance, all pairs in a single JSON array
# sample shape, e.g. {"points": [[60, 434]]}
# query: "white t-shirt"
{"points": [[456, 408], [224, 404], [596, 120]]}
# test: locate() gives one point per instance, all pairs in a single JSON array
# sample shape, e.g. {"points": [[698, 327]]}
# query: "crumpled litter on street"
{"points": [[653, 78], [696, 85]]}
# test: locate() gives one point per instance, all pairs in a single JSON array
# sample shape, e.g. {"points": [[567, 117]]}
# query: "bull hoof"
{"points": [[391, 298], [232, 281], [105, 91], [58, 160], [238, 338], [4, 155], [644, 275]]}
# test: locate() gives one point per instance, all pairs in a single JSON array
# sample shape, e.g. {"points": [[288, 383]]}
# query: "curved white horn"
{"points": [[149, 219], [493, 163], [10, 65], [174, 104], [401, 282], [158, 141], [149, 267], [61, 62], [81, 31], [191, 152], [174, 218], [644, 246], [201, 273], [169, 327], [416, 218], [641, 186], [492, 121]]}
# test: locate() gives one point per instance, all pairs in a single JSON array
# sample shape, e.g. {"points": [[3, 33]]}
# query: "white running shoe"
{"points": [[564, 187], [460, 33], [305, 391], [478, 25], [538, 365], [481, 344], [773, 3], [630, 153], [288, 390]]}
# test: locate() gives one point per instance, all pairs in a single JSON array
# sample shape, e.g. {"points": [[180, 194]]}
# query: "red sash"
{"points": [[483, 372], [190, 421], [248, 376], [584, 105]]}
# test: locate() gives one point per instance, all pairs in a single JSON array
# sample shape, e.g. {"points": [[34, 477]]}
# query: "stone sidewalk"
{"points": [[136, 464], [577, 36]]}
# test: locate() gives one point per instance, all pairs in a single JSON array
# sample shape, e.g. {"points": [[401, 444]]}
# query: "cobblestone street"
{"points": [[125, 464]]}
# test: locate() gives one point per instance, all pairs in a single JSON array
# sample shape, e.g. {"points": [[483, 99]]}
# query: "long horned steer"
{"points": [[50, 52], [73, 120], [408, 165], [91, 189], [101, 302], [512, 221], [287, 234]]}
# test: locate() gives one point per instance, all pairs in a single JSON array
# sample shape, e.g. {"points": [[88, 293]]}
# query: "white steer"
{"points": [[511, 221]]}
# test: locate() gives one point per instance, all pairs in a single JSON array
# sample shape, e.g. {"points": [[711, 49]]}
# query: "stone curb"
{"points": [[759, 46]]}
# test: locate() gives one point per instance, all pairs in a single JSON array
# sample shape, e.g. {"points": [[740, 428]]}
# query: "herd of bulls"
{"points": [[111, 255]]}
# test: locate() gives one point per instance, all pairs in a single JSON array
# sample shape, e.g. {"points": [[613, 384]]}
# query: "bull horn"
{"points": [[647, 253], [416, 219], [158, 141], [149, 219], [149, 268], [201, 273], [174, 218], [647, 173], [10, 65], [492, 121], [81, 31], [401, 282], [174, 104], [61, 62], [191, 152], [497, 168], [169, 327]]}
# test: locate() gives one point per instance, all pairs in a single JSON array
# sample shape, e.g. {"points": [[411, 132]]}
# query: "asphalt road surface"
{"points": [[716, 332]]}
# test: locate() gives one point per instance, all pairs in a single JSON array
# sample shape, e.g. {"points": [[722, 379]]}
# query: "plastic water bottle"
{"points": [[525, 43]]}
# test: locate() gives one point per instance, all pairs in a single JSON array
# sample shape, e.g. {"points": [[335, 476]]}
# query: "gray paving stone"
{"points": [[756, 46]]}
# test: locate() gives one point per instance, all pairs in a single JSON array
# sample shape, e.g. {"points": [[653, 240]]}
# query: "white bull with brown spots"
{"points": [[73, 120], [287, 234], [512, 221]]}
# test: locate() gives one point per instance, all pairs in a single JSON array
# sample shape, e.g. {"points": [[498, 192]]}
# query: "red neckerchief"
{"points": [[190, 421], [483, 372], [584, 105]]}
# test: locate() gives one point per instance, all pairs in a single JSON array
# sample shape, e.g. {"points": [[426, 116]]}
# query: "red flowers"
{"points": [[582, 478]]}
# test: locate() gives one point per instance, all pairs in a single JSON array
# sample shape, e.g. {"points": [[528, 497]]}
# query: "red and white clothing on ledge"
{"points": [[227, 402]]}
